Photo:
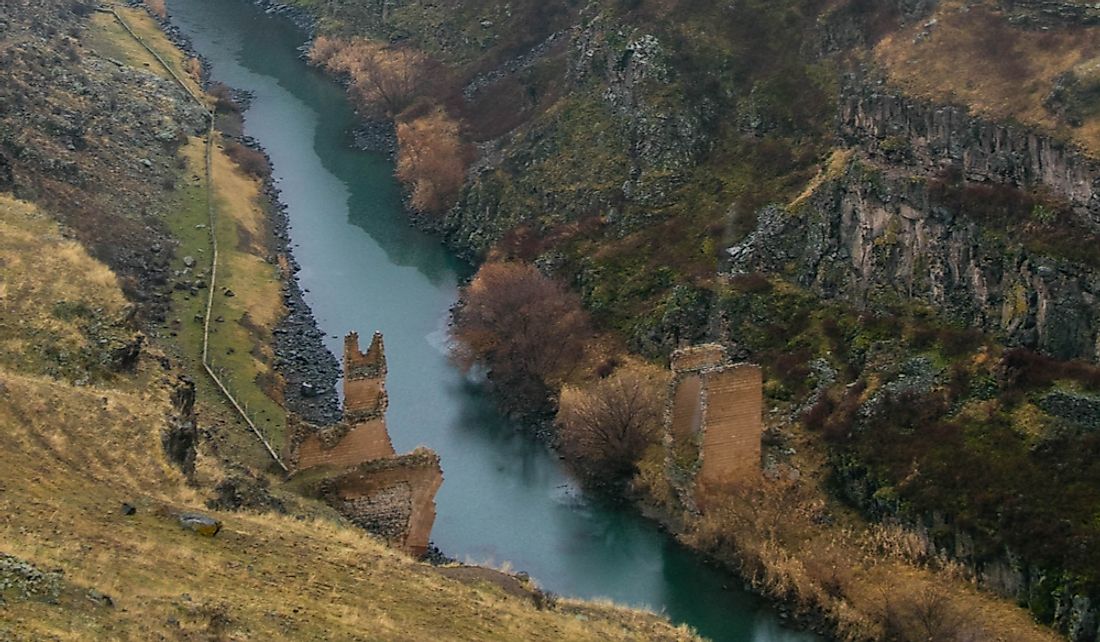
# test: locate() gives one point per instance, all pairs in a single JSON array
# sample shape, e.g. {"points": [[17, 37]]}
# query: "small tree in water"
{"points": [[525, 328], [607, 426], [384, 79]]}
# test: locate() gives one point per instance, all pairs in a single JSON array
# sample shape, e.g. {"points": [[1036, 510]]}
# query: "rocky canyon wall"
{"points": [[925, 137], [875, 237]]}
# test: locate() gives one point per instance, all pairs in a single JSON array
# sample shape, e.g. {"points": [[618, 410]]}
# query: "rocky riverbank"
{"points": [[309, 368], [300, 17]]}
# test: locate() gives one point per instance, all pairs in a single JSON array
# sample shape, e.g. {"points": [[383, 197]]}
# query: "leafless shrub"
{"points": [[431, 160], [928, 613], [223, 98], [527, 329], [607, 426], [382, 77], [253, 162]]}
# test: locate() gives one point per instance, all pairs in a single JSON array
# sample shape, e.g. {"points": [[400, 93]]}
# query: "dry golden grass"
{"points": [[834, 168], [243, 228], [856, 573], [263, 576], [240, 344], [71, 455], [794, 541], [50, 291], [974, 56]]}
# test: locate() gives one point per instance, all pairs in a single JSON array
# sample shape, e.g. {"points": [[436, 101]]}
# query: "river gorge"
{"points": [[506, 499]]}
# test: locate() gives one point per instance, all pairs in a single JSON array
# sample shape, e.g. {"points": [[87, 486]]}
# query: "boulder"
{"points": [[201, 524]]}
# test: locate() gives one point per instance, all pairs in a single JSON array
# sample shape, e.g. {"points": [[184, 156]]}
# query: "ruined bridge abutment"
{"points": [[360, 474]]}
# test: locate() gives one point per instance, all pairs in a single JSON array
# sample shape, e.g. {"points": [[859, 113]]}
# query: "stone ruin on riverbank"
{"points": [[352, 464], [714, 422]]}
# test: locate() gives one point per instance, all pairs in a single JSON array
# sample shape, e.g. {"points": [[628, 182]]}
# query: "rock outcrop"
{"points": [[879, 230], [1045, 13], [926, 137], [181, 436], [875, 237]]}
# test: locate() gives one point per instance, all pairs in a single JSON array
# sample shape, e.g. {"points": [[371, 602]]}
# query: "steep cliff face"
{"points": [[876, 237], [924, 137], [1052, 12]]}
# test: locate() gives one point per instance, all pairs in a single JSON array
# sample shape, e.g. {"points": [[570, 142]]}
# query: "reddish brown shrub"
{"points": [[157, 8], [528, 330], [607, 426], [751, 283], [834, 414], [223, 99], [1025, 370], [253, 162]]}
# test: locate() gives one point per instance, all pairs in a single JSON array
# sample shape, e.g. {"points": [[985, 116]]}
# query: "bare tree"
{"points": [[525, 328], [928, 614], [607, 426], [390, 75]]}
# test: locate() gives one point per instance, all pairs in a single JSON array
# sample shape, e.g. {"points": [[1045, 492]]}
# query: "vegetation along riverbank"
{"points": [[891, 207]]}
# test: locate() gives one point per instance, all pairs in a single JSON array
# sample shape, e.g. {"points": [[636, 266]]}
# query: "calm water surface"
{"points": [[505, 499]]}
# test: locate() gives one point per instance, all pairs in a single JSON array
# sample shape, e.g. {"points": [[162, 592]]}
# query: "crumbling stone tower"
{"points": [[714, 421], [364, 379], [360, 475], [362, 436]]}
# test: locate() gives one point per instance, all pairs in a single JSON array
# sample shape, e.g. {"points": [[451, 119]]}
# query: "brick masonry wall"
{"points": [[390, 495], [732, 423], [718, 407]]}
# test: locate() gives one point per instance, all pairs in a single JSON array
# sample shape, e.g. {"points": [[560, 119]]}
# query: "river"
{"points": [[505, 500]]}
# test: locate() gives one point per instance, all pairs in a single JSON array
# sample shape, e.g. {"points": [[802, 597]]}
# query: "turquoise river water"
{"points": [[505, 498]]}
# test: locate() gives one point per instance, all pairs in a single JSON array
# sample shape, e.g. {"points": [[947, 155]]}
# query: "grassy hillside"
{"points": [[75, 451]]}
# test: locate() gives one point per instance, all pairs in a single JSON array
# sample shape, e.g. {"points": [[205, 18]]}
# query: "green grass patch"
{"points": [[239, 346]]}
